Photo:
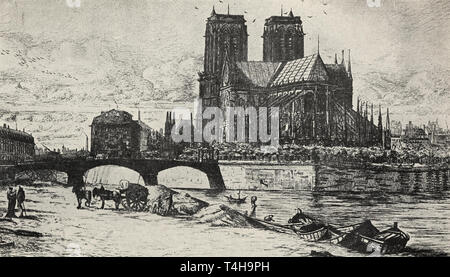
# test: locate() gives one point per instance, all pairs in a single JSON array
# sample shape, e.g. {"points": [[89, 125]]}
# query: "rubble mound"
{"points": [[222, 215], [164, 201]]}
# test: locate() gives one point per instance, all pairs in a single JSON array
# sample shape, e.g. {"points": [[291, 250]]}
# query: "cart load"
{"points": [[133, 196]]}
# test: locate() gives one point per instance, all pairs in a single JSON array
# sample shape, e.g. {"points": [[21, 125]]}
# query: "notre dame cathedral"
{"points": [[314, 98]]}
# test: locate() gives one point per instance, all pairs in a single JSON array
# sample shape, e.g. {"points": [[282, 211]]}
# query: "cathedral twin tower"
{"points": [[226, 38], [314, 98]]}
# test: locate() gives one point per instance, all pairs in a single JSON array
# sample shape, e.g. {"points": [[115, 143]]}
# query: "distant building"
{"points": [[315, 98], [437, 135], [115, 134], [412, 137], [396, 143], [396, 128], [168, 148], [414, 132], [15, 145]]}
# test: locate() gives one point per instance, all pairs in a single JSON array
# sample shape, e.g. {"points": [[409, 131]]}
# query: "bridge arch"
{"points": [[184, 177], [148, 169]]}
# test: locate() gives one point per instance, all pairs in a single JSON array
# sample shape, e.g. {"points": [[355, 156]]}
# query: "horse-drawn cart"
{"points": [[133, 196]]}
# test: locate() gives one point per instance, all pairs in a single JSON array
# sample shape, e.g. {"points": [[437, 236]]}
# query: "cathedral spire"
{"points": [[349, 65], [291, 14], [228, 8], [371, 113], [367, 114], [343, 60], [388, 120], [335, 58], [380, 127], [318, 44], [380, 118], [281, 9], [213, 13]]}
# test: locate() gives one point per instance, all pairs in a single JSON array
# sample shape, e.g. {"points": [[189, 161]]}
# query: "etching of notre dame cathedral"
{"points": [[315, 99]]}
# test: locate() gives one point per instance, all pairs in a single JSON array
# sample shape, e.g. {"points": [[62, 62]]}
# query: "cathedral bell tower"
{"points": [[283, 38], [225, 33]]}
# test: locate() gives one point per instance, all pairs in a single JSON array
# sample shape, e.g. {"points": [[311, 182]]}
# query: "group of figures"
{"points": [[15, 197]]}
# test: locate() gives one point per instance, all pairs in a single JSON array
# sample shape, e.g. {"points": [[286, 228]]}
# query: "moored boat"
{"points": [[366, 238], [312, 232], [336, 234], [348, 228], [281, 228], [233, 200], [335, 238], [237, 200], [390, 241]]}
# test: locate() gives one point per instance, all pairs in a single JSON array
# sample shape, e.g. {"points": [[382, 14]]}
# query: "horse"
{"points": [[104, 194], [83, 193]]}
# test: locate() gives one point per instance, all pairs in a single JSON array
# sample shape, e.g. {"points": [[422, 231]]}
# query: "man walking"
{"points": [[21, 200], [253, 211]]}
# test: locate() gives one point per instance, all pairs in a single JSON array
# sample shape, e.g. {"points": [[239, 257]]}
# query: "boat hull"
{"points": [[313, 235], [365, 238], [235, 201], [280, 228], [390, 246]]}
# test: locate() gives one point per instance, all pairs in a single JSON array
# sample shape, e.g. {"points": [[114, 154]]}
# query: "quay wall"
{"points": [[267, 175], [372, 179], [332, 177]]}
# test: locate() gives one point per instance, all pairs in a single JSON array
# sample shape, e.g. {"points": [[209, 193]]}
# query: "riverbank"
{"points": [[91, 231]]}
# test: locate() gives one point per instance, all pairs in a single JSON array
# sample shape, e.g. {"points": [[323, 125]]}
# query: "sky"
{"points": [[347, 23], [135, 51], [397, 27]]}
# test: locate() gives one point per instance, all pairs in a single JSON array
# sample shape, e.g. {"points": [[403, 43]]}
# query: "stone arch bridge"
{"points": [[147, 168]]}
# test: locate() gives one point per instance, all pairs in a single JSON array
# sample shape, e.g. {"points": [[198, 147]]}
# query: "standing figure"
{"points": [[82, 193], [21, 200], [76, 190], [253, 211], [11, 196]]}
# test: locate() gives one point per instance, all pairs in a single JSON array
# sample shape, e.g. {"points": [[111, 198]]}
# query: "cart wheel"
{"points": [[133, 204], [134, 198], [137, 205]]}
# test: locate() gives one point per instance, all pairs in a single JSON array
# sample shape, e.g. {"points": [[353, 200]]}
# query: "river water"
{"points": [[95, 232]]}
